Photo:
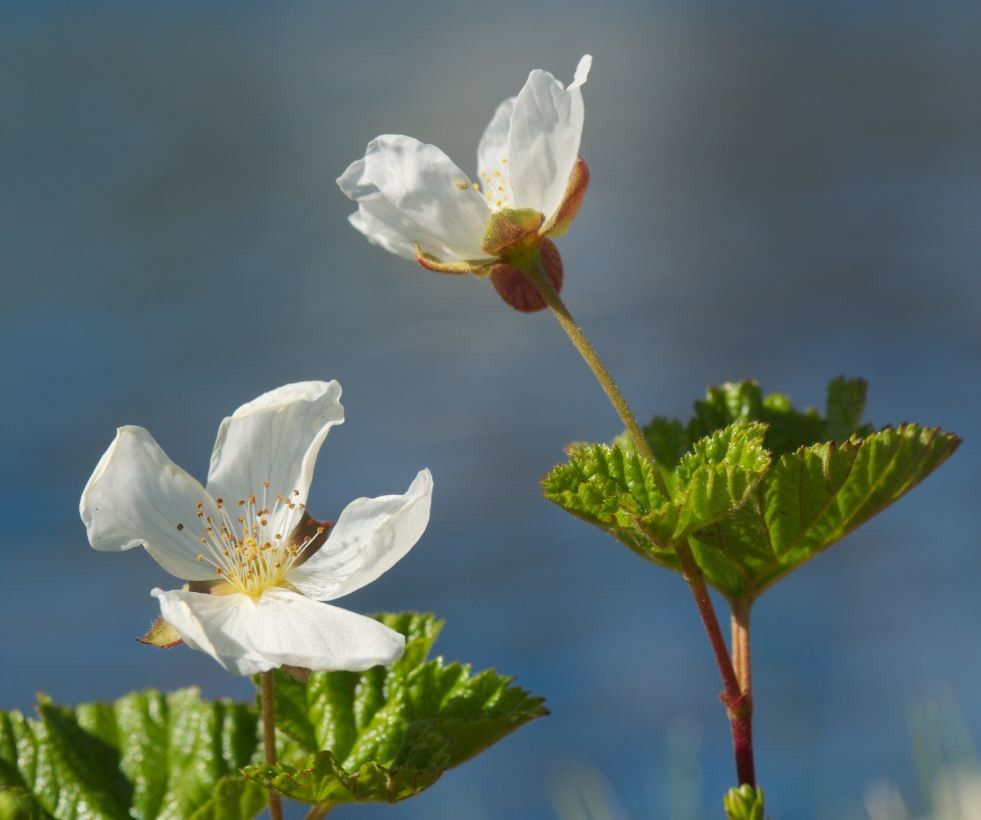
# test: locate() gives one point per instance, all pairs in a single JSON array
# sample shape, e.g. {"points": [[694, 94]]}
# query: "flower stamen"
{"points": [[252, 557]]}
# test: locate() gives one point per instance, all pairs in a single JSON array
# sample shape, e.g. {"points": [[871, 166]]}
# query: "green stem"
{"points": [[269, 737], [533, 270], [737, 705]]}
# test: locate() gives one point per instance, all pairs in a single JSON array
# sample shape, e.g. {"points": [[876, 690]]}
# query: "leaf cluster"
{"points": [[144, 755], [753, 485], [389, 733], [379, 735]]}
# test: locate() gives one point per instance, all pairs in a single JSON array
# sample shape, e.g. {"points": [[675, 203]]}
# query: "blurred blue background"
{"points": [[784, 191]]}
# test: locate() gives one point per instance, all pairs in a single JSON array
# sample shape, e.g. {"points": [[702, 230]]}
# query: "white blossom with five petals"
{"points": [[258, 565], [415, 202]]}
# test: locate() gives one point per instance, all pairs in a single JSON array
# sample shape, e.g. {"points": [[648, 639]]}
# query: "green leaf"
{"points": [[717, 476], [143, 755], [613, 488], [749, 517], [744, 803], [846, 402], [787, 428], [234, 799], [388, 733], [812, 498], [17, 804]]}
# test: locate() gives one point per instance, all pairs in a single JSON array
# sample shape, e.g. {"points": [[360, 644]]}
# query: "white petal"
{"points": [[137, 495], [383, 224], [274, 438], [492, 152], [370, 536], [280, 629], [546, 129], [431, 196], [386, 234]]}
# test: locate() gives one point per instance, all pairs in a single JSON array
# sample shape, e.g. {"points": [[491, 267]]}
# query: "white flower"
{"points": [[258, 564], [415, 202]]}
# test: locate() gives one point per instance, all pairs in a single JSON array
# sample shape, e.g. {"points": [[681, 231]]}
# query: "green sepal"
{"points": [[744, 803], [430, 262], [161, 634], [388, 733], [511, 228]]}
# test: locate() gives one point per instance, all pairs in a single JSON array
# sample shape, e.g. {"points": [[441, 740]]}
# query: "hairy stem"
{"points": [[544, 286], [737, 705], [269, 737]]}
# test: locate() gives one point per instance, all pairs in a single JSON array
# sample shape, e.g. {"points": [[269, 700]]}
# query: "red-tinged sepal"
{"points": [[508, 229], [430, 262], [515, 289], [161, 634], [574, 193]]}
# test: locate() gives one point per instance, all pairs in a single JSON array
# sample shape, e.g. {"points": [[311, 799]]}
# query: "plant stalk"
{"points": [[738, 706], [269, 737], [536, 275], [742, 718]]}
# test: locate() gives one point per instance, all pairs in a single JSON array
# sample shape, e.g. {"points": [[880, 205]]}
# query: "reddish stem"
{"points": [[738, 703]]}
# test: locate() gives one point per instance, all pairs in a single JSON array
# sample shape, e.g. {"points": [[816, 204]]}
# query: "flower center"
{"points": [[250, 546], [496, 185]]}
